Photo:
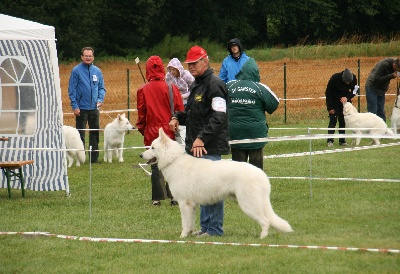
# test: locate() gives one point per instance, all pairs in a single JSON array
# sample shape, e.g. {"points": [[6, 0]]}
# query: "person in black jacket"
{"points": [[342, 86], [206, 120], [377, 84]]}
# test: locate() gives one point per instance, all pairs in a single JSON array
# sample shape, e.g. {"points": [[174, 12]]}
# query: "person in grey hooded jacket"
{"points": [[248, 100], [180, 77]]}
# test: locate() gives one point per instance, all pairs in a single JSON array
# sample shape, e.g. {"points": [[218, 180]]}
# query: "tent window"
{"points": [[17, 97]]}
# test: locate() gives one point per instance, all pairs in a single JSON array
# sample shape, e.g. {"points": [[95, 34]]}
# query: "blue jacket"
{"points": [[86, 87], [230, 66]]}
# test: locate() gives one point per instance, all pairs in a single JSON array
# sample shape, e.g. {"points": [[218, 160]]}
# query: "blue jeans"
{"points": [[212, 216], [375, 102]]}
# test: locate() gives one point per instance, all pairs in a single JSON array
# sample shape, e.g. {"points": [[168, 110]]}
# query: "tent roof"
{"points": [[13, 28]]}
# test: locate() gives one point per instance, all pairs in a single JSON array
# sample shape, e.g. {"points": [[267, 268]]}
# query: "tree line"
{"points": [[117, 28]]}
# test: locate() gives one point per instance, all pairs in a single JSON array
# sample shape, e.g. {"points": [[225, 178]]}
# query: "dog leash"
{"points": [[99, 108]]}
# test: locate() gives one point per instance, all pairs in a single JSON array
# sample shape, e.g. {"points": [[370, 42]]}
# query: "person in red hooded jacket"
{"points": [[154, 111]]}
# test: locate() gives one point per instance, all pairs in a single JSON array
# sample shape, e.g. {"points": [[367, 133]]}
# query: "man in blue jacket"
{"points": [[232, 64], [86, 92]]}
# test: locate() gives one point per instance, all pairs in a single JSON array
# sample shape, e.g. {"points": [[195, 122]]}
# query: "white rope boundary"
{"points": [[123, 240], [281, 99]]}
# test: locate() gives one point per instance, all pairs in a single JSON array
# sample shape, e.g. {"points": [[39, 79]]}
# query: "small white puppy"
{"points": [[114, 135], [395, 120], [74, 146], [366, 122]]}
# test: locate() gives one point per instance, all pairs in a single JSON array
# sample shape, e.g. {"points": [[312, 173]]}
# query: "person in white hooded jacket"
{"points": [[180, 77]]}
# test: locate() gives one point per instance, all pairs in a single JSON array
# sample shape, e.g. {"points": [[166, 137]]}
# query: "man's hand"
{"points": [[174, 125], [332, 111], [77, 112], [198, 148]]}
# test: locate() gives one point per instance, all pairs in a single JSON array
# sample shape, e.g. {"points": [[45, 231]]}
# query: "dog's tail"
{"points": [[277, 222], [390, 132]]}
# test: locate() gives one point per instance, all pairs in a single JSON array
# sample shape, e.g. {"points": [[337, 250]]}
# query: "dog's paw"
{"points": [[184, 235], [121, 160]]}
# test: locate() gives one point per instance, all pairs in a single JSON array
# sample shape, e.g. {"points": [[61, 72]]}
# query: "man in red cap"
{"points": [[154, 110], [206, 120]]}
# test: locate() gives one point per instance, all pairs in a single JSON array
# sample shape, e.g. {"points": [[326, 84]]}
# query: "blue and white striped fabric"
{"points": [[44, 145]]}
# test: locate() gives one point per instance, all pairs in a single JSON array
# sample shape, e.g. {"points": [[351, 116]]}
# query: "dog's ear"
{"points": [[119, 116], [163, 137]]}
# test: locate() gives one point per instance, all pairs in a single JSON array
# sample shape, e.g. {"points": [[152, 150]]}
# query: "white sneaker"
{"points": [[330, 144]]}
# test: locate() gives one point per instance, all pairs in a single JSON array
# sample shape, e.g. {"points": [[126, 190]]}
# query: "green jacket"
{"points": [[248, 100]]}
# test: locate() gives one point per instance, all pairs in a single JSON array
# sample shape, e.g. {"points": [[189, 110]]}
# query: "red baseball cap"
{"points": [[195, 54]]}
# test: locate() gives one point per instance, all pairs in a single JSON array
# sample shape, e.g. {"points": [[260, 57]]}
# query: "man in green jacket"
{"points": [[247, 103]]}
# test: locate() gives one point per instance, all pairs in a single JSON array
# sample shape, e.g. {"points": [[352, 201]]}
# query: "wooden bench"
{"points": [[14, 169]]}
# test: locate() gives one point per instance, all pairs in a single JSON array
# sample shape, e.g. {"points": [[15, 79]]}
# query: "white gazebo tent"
{"points": [[30, 104]]}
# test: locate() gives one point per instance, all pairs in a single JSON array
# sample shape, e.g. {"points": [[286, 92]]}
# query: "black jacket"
{"points": [[337, 89], [380, 76], [201, 120]]}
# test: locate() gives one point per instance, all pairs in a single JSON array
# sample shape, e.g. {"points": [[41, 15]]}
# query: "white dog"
{"points": [[196, 181], [395, 120], [73, 141], [373, 123], [114, 135]]}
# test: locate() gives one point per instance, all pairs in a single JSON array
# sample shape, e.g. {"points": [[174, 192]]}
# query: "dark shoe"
{"points": [[174, 203], [156, 203], [197, 233], [205, 234]]}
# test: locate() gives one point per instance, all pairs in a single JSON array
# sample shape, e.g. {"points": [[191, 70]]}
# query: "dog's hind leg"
{"points": [[255, 211], [358, 139], [188, 215]]}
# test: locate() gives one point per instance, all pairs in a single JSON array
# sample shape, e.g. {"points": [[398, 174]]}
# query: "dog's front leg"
{"points": [[188, 215], [120, 154]]}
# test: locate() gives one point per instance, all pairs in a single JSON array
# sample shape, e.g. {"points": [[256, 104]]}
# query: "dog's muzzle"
{"points": [[151, 161]]}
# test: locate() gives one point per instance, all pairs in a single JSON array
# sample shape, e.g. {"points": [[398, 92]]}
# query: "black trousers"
{"points": [[255, 156], [92, 118], [333, 118], [159, 188]]}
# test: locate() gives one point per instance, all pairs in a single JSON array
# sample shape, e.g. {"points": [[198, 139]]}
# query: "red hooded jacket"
{"points": [[153, 103]]}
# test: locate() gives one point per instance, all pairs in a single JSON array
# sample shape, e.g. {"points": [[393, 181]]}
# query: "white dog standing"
{"points": [[395, 119], [196, 181], [74, 146], [371, 122], [114, 136]]}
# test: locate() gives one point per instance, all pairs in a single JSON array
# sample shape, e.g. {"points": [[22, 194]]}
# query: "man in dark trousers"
{"points": [[341, 88]]}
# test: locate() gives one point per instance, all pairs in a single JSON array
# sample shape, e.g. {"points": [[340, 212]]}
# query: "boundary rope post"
{"points": [[310, 161], [128, 89], [284, 92]]}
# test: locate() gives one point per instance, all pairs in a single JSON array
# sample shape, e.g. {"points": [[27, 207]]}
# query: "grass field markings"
{"points": [[307, 153], [338, 179], [329, 151], [123, 240]]}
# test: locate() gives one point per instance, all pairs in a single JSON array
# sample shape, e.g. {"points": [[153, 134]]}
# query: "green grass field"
{"points": [[116, 203]]}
